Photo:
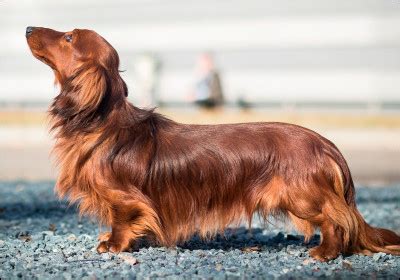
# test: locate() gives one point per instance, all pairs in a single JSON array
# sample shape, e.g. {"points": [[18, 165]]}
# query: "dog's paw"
{"points": [[106, 246], [323, 254], [102, 247]]}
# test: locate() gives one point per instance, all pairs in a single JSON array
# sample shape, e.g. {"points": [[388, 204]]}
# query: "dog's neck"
{"points": [[111, 114], [70, 121]]}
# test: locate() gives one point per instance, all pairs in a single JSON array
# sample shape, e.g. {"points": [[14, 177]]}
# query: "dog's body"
{"points": [[145, 175]]}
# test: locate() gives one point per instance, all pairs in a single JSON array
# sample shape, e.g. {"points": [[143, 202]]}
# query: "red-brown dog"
{"points": [[145, 175]]}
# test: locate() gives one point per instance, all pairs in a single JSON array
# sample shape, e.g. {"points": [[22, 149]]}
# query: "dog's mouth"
{"points": [[44, 59], [35, 47]]}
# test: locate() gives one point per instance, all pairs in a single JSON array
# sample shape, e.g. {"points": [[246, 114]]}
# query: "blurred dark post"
{"points": [[147, 69]]}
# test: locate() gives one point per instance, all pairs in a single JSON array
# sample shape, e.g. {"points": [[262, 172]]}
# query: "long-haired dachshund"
{"points": [[145, 175]]}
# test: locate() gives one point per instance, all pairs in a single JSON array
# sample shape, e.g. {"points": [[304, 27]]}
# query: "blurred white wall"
{"points": [[267, 51]]}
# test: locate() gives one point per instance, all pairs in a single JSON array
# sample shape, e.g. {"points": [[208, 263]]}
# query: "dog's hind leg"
{"points": [[331, 244], [318, 206], [311, 204], [331, 233]]}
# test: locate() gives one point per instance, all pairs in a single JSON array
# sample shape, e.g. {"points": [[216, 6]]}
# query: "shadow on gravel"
{"points": [[257, 239], [23, 210]]}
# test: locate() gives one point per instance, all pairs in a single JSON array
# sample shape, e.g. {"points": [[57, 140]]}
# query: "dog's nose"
{"points": [[29, 31]]}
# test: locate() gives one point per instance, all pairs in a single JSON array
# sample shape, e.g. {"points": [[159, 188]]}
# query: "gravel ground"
{"points": [[42, 238]]}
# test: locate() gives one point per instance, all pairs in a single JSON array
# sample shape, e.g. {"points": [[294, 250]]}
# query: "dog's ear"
{"points": [[118, 85], [86, 88]]}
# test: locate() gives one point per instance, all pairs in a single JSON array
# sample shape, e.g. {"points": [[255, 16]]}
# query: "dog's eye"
{"points": [[68, 38]]}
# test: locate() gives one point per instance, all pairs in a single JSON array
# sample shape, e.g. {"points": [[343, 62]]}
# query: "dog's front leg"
{"points": [[131, 219], [124, 214], [119, 239]]}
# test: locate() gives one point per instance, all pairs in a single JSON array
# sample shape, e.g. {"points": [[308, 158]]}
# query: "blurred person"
{"points": [[208, 90]]}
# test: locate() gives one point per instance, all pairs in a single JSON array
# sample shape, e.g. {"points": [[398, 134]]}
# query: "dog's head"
{"points": [[84, 63], [67, 52]]}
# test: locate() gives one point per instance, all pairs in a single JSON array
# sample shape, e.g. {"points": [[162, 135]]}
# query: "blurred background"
{"points": [[332, 66]]}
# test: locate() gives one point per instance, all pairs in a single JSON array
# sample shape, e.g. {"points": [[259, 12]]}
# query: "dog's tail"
{"points": [[359, 236]]}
